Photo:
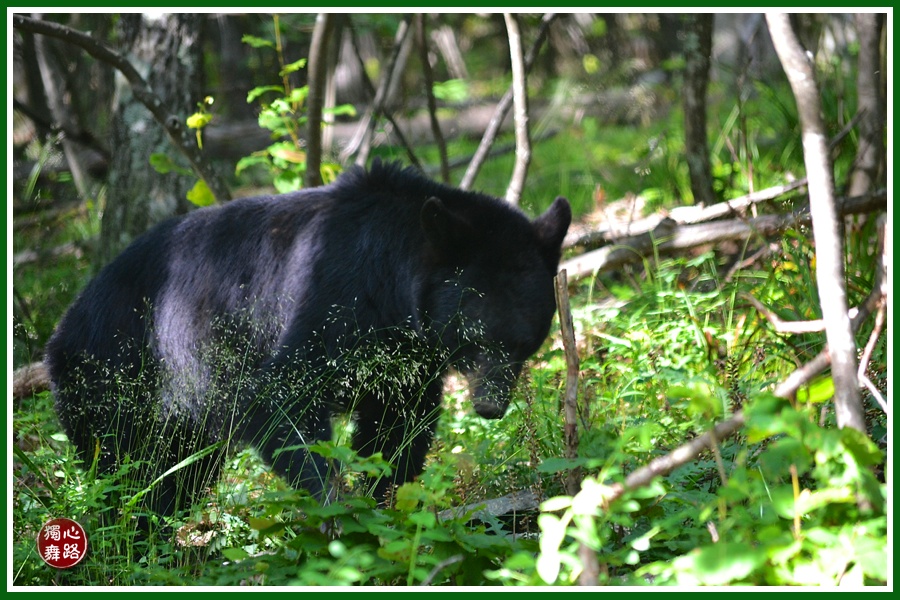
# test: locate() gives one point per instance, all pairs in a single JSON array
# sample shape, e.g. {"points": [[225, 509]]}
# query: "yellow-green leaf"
{"points": [[199, 120], [201, 195]]}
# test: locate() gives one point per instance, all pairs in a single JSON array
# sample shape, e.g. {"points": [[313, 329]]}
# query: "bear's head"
{"points": [[491, 299]]}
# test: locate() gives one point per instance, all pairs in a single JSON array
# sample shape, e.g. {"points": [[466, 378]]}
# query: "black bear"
{"points": [[257, 321]]}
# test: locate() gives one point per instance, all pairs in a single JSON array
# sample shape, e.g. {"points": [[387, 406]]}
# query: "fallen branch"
{"points": [[682, 215], [524, 500], [29, 256], [30, 379], [668, 236]]}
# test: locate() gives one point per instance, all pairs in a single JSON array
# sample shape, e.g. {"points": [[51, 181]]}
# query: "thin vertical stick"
{"points": [[567, 327], [590, 565], [422, 40]]}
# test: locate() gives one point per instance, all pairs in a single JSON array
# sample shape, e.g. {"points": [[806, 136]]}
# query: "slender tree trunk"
{"points": [[698, 45], [520, 111], [166, 51], [826, 230], [318, 58], [870, 153], [56, 93]]}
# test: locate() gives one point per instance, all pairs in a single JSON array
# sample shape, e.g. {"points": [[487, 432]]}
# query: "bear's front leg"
{"points": [[281, 437], [402, 431]]}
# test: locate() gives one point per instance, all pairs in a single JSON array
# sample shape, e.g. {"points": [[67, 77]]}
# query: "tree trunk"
{"points": [[698, 45], [520, 110], [166, 50], [54, 87], [870, 153], [826, 231], [318, 58]]}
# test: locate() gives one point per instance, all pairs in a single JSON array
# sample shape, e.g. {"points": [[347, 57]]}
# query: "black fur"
{"points": [[260, 319]]}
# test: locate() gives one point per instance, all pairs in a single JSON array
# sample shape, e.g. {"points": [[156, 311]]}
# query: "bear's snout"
{"points": [[489, 409]]}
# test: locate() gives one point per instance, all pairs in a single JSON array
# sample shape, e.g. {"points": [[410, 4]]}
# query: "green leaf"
{"points": [[259, 91], [547, 566], [820, 390], [163, 164], [201, 195], [863, 449], [288, 181], [423, 519], [407, 496], [235, 553], [557, 503], [199, 120], [452, 90], [257, 42], [294, 66], [298, 95], [264, 525], [343, 109], [287, 152], [780, 455], [249, 161], [720, 564]]}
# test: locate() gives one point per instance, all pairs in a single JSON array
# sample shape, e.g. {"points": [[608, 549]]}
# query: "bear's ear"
{"points": [[447, 234], [551, 227]]}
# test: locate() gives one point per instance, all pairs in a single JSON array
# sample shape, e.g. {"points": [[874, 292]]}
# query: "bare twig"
{"points": [[520, 111], [170, 122], [354, 142], [362, 141], [429, 94], [502, 109], [441, 566], [318, 59], [826, 229], [782, 326]]}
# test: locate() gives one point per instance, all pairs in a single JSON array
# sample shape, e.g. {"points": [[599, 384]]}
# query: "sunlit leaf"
{"points": [[259, 91], [257, 42], [201, 195], [292, 67], [821, 389]]}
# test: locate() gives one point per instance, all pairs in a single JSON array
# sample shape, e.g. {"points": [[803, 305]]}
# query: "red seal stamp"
{"points": [[62, 543]]}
